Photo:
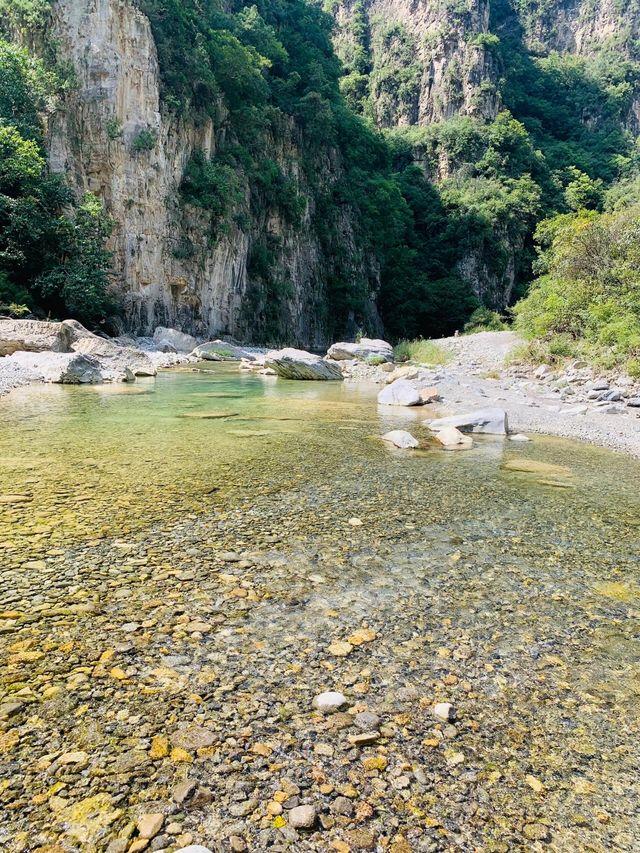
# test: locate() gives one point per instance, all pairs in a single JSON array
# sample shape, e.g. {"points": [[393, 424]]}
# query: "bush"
{"points": [[421, 351], [484, 320], [145, 140], [587, 297]]}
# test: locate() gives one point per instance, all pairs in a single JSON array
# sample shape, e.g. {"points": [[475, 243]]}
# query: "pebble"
{"points": [[444, 711], [329, 702], [194, 848], [302, 817], [366, 720], [150, 824]]}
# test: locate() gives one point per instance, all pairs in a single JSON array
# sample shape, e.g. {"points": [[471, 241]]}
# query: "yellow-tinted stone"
{"points": [[159, 747]]}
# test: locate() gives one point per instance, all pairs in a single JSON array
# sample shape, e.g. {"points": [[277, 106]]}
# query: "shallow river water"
{"points": [[186, 562]]}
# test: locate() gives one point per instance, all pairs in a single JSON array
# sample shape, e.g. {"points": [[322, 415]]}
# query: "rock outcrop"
{"points": [[170, 269], [292, 363], [34, 336], [366, 348]]}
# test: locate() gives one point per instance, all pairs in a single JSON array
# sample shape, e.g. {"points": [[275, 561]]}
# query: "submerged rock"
{"points": [[362, 350], [492, 421], [400, 438], [400, 393], [292, 363], [534, 466], [452, 437]]}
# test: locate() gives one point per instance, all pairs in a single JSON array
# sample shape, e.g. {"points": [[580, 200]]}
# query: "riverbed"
{"points": [[188, 561]]}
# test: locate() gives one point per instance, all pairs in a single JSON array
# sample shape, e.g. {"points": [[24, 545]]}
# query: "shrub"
{"points": [[145, 140], [484, 320], [421, 351]]}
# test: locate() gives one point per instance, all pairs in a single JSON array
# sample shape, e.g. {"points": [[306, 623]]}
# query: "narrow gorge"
{"points": [[262, 186]]}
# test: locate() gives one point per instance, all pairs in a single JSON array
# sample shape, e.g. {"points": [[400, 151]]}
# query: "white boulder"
{"points": [[400, 438], [362, 350], [452, 437], [34, 336], [292, 363], [492, 421], [174, 338], [400, 393]]}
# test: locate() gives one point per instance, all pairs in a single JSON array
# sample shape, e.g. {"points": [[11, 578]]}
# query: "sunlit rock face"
{"points": [[168, 269]]}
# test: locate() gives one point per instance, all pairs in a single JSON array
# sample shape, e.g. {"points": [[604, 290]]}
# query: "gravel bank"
{"points": [[533, 405]]}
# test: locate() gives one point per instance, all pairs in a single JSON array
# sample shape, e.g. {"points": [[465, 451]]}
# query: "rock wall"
{"points": [[427, 60], [112, 137], [585, 28]]}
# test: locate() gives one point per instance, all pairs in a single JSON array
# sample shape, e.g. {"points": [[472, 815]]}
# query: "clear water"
{"points": [[526, 585]]}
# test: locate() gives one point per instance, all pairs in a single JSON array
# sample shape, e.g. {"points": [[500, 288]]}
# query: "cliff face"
{"points": [[114, 138], [426, 61], [416, 62]]}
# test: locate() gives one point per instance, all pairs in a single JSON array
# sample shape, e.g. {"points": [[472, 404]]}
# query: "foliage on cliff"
{"points": [[586, 300], [50, 260]]}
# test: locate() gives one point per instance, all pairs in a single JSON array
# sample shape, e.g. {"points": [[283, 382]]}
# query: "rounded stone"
{"points": [[329, 702], [302, 817]]}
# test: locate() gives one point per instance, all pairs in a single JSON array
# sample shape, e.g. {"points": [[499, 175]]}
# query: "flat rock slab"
{"points": [[490, 421], [292, 363]]}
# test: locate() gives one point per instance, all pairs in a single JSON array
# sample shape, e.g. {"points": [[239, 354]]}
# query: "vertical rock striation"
{"points": [[114, 138]]}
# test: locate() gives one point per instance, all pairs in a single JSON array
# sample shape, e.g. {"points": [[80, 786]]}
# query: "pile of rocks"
{"points": [[66, 353], [579, 387]]}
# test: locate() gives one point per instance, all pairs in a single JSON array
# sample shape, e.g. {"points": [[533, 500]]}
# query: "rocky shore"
{"points": [[573, 402]]}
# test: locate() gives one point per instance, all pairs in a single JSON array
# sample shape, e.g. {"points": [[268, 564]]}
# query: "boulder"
{"points": [[221, 351], [634, 402], [491, 421], [292, 363], [362, 350], [543, 371], [429, 394], [452, 437], [401, 438], [70, 369], [34, 336], [115, 360], [174, 338], [400, 393]]}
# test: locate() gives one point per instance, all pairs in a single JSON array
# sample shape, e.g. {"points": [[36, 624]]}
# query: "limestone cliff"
{"points": [[425, 60], [411, 63], [114, 137], [428, 60]]}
